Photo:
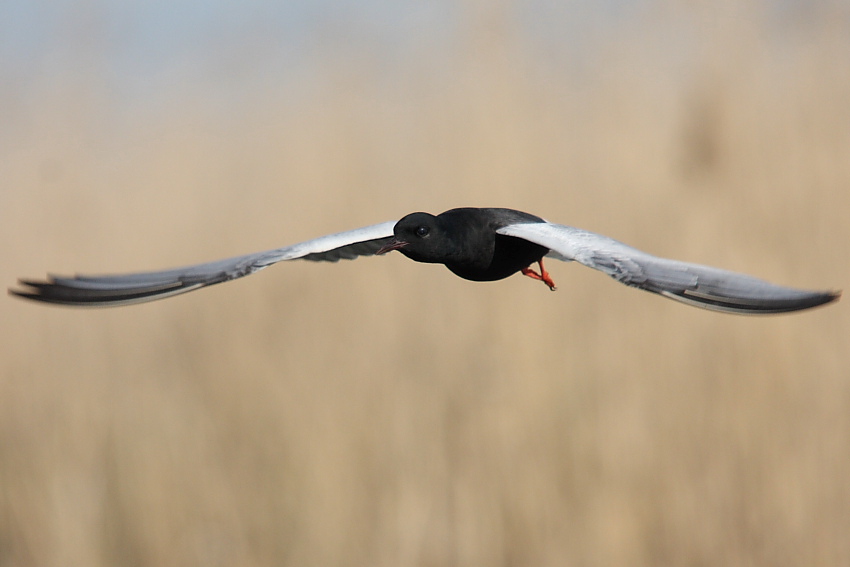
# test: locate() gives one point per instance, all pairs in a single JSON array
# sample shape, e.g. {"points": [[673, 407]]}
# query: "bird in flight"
{"points": [[478, 244]]}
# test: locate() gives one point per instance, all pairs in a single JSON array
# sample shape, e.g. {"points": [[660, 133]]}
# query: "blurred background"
{"points": [[383, 412]]}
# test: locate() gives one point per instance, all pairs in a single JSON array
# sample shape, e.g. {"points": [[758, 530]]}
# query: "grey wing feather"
{"points": [[693, 284], [111, 290]]}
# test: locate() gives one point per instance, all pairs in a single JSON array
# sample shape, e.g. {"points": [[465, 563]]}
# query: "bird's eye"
{"points": [[422, 231]]}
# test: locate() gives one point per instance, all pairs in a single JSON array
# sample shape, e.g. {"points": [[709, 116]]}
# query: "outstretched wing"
{"points": [[701, 286], [101, 291]]}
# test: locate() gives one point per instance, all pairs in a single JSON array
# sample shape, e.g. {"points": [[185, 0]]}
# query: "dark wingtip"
{"points": [[56, 290], [34, 290], [825, 298], [31, 293], [21, 293], [758, 306]]}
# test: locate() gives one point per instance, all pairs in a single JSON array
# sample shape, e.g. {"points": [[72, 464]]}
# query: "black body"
{"points": [[465, 240]]}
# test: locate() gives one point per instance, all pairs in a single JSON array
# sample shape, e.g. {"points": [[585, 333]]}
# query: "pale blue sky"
{"points": [[136, 50], [136, 44]]}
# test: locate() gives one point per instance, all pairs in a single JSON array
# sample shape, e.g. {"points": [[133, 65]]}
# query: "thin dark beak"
{"points": [[393, 244]]}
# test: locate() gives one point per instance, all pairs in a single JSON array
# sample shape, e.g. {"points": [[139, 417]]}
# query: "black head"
{"points": [[420, 237]]}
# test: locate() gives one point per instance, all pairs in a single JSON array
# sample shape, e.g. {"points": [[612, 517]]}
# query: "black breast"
{"points": [[486, 255]]}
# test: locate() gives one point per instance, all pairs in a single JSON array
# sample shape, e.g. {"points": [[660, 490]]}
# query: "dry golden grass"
{"points": [[386, 413]]}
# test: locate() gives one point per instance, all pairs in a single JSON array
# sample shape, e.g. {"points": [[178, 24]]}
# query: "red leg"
{"points": [[542, 276]]}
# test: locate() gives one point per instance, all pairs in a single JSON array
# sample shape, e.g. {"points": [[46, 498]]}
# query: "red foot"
{"points": [[542, 276]]}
